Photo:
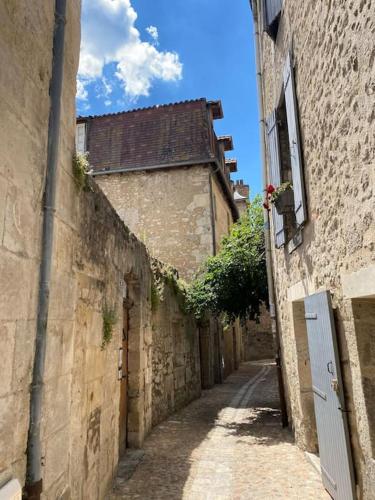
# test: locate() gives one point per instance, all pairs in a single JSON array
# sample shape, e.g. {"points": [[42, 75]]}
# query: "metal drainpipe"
{"points": [[212, 209], [34, 485], [267, 236], [213, 229]]}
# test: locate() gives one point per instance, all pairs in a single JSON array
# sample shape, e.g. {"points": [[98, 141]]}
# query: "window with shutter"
{"points": [[285, 164], [275, 174], [271, 16], [294, 143], [81, 138]]}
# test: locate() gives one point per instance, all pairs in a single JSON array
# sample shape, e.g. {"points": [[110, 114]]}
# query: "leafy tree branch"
{"points": [[234, 282]]}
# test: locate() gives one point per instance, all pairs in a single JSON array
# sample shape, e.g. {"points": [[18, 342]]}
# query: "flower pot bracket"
{"points": [[284, 203]]}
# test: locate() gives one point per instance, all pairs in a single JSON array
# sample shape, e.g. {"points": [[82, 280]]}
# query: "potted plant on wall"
{"points": [[282, 197]]}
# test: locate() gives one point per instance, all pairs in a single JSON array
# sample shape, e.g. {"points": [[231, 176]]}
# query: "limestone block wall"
{"points": [[176, 377], [105, 256], [228, 351], [169, 210], [101, 260], [258, 339], [24, 108], [334, 56], [232, 347], [223, 216], [94, 255]]}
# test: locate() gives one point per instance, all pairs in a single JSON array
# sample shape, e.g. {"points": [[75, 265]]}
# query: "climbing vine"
{"points": [[164, 276], [109, 321], [81, 167], [233, 283]]}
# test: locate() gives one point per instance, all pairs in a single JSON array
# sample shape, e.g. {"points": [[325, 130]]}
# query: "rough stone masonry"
{"points": [[333, 55], [94, 256]]}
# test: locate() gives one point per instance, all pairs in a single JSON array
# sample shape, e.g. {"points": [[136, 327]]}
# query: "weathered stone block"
{"points": [[57, 409], [59, 352], [3, 198], [17, 282], [7, 347], [94, 391], [56, 457], [23, 354], [22, 224], [62, 296], [7, 405]]}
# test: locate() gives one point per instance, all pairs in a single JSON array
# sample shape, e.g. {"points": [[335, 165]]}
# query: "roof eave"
{"points": [[217, 109], [227, 140]]}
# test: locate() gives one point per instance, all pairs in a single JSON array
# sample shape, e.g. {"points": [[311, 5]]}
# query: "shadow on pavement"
{"points": [[165, 468]]}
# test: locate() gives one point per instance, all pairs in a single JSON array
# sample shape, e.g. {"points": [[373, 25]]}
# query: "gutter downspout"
{"points": [[34, 485], [212, 209], [267, 236], [214, 251]]}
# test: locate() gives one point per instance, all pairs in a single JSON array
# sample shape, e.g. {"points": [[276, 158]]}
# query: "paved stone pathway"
{"points": [[228, 445]]}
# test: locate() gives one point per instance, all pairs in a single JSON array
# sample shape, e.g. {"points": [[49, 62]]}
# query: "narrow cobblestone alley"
{"points": [[227, 445]]}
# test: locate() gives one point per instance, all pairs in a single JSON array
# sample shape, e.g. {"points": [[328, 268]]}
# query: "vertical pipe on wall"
{"points": [[34, 485], [267, 237], [212, 210], [217, 329]]}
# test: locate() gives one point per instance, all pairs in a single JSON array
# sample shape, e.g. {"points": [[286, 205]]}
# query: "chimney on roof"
{"points": [[241, 188]]}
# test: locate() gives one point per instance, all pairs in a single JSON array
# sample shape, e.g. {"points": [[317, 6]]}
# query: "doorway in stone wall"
{"points": [[235, 358], [134, 358], [123, 374], [307, 431], [364, 325]]}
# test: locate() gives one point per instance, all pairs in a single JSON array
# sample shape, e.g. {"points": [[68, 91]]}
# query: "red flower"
{"points": [[270, 189], [266, 205]]}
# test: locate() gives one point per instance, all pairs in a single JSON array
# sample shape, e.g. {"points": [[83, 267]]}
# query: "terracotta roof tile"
{"points": [[158, 135]]}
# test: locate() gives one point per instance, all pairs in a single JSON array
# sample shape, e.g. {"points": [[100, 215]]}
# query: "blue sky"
{"points": [[138, 53]]}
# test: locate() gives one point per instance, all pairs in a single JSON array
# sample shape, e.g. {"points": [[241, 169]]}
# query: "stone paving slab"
{"points": [[228, 445]]}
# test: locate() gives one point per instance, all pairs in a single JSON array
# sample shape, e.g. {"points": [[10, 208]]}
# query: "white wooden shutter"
{"points": [[272, 10], [294, 142], [81, 138], [275, 175], [329, 401]]}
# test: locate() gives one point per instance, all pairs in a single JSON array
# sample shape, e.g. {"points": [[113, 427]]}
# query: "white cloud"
{"points": [[109, 36], [154, 34], [107, 87], [82, 93]]}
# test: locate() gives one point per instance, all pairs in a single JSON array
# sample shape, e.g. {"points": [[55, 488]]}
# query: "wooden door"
{"points": [[235, 358], [123, 375], [334, 444]]}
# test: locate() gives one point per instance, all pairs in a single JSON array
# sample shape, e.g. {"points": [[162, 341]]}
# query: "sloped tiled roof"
{"points": [[81, 118], [159, 135]]}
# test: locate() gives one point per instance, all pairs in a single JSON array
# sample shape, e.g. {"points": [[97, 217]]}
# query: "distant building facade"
{"points": [[163, 168], [241, 193], [316, 61]]}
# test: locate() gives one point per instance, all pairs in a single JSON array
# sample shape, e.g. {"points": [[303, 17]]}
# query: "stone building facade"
{"points": [[164, 171], [258, 341], [101, 276], [317, 75]]}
